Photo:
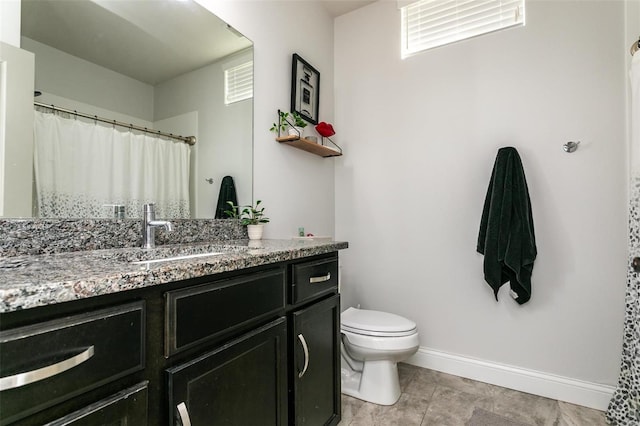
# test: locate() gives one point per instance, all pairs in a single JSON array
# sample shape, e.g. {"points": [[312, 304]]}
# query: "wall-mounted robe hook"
{"points": [[570, 146]]}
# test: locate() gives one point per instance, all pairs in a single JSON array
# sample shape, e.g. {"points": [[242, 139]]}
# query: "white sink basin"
{"points": [[170, 259]]}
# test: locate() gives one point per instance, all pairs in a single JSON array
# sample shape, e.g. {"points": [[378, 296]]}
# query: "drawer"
{"points": [[214, 311], [313, 278], [128, 407], [44, 364]]}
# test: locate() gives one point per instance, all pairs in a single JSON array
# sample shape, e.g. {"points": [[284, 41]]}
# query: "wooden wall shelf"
{"points": [[307, 145]]}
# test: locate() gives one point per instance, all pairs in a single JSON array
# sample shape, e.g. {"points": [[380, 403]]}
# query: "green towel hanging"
{"points": [[227, 193], [506, 237]]}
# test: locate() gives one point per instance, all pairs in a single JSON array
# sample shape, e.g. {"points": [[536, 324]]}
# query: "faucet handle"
{"points": [[168, 226], [149, 207]]}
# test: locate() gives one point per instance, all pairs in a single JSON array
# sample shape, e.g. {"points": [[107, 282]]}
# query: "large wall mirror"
{"points": [[166, 65]]}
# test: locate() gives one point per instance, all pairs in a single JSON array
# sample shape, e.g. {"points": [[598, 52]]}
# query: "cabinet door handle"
{"points": [[321, 279], [305, 348], [184, 414], [28, 377]]}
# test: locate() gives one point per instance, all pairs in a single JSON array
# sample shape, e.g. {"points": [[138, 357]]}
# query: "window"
{"points": [[238, 83], [431, 23]]}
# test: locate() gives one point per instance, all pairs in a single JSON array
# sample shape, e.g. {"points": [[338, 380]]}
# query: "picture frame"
{"points": [[305, 89]]}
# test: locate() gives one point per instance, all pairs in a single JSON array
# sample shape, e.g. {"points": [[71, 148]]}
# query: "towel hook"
{"points": [[570, 146]]}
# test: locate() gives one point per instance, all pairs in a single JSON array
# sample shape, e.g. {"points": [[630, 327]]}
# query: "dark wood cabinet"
{"points": [[249, 380], [258, 346], [315, 333], [241, 383]]}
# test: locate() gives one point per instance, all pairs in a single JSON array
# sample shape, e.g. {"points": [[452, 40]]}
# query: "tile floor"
{"points": [[431, 398]]}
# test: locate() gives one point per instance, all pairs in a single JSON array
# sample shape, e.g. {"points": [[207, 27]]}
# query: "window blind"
{"points": [[238, 83], [431, 23]]}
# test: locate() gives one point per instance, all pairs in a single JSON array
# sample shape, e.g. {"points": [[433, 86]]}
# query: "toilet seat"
{"points": [[375, 323]]}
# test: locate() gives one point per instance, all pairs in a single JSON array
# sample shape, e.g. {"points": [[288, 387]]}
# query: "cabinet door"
{"points": [[316, 375], [242, 383]]}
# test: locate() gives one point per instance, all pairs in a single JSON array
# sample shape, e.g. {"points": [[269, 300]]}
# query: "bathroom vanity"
{"points": [[247, 336]]}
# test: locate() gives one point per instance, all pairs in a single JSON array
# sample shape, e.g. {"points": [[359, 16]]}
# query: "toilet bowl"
{"points": [[373, 343]]}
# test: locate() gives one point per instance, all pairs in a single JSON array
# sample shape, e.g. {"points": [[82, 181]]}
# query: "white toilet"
{"points": [[373, 343]]}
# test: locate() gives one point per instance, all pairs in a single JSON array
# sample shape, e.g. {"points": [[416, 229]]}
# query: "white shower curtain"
{"points": [[624, 408], [83, 169]]}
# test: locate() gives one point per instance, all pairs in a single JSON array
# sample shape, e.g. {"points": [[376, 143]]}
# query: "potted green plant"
{"points": [[253, 217], [298, 125], [233, 212], [250, 216], [282, 124]]}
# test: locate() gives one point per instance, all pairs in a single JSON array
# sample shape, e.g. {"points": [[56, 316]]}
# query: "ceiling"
{"points": [[136, 38], [340, 7], [150, 41]]}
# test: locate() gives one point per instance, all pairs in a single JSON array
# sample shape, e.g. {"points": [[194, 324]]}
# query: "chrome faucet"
{"points": [[149, 224]]}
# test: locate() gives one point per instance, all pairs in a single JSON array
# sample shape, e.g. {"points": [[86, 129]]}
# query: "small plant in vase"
{"points": [[283, 122], [298, 125], [254, 218], [233, 212]]}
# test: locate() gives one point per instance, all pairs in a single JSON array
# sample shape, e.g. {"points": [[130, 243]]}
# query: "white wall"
{"points": [[68, 76], [92, 109], [225, 132], [16, 131], [10, 22], [420, 137], [296, 187], [16, 140]]}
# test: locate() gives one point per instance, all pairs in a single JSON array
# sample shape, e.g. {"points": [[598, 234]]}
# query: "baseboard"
{"points": [[578, 392]]}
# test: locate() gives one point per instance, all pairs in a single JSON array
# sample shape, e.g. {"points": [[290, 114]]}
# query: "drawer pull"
{"points": [[28, 377], [305, 348], [321, 279], [184, 414]]}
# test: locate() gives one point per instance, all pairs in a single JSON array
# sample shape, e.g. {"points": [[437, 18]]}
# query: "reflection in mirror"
{"points": [[165, 65]]}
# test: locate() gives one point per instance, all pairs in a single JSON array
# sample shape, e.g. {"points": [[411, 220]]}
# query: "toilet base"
{"points": [[378, 382]]}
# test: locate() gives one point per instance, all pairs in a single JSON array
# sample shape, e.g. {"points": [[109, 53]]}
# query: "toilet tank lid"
{"points": [[363, 319]]}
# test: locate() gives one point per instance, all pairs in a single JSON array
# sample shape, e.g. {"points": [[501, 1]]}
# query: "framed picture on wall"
{"points": [[305, 89]]}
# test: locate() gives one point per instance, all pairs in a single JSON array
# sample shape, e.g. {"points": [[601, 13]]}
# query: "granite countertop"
{"points": [[36, 280]]}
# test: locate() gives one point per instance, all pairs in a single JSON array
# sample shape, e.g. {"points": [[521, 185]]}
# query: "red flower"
{"points": [[325, 129]]}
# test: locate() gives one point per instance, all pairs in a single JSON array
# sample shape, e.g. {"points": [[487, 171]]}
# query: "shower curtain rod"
{"points": [[191, 140]]}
